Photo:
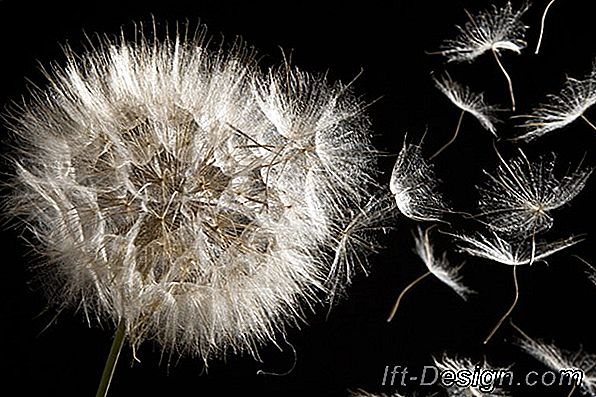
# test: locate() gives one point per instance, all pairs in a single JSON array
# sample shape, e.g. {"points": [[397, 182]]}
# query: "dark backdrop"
{"points": [[350, 348]]}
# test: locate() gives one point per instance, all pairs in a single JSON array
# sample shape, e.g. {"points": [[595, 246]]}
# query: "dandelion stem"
{"points": [[588, 121], [507, 77], [533, 253], [542, 26], [412, 284], [108, 371], [461, 116], [508, 312], [518, 329], [572, 390]]}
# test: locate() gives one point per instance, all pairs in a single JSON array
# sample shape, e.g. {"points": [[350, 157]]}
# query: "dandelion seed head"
{"points": [[177, 187], [468, 101], [495, 29], [561, 109], [414, 185]]}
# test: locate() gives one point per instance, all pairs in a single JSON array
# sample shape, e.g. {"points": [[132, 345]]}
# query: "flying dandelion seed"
{"points": [[580, 366], [542, 20], [357, 237], [590, 271], [518, 197], [469, 102], [576, 97], [495, 30], [477, 389], [414, 185], [438, 266], [497, 249], [176, 190]]}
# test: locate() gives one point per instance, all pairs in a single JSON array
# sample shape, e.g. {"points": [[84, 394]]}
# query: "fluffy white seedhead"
{"points": [[479, 385], [497, 249], [439, 266], [496, 29], [579, 366], [178, 188], [468, 101], [518, 197], [414, 185], [561, 109]]}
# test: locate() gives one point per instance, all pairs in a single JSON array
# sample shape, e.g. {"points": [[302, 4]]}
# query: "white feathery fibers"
{"points": [[178, 188], [592, 276], [439, 266], [518, 198], [497, 249], [575, 366], [495, 29], [468, 101], [472, 386], [561, 109], [357, 236], [414, 186]]}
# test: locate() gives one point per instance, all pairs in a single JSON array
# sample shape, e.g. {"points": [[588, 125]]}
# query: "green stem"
{"points": [[108, 371]]}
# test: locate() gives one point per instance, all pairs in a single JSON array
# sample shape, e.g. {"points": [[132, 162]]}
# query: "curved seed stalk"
{"points": [[445, 146], [509, 311], [399, 298], [509, 83], [542, 26]]}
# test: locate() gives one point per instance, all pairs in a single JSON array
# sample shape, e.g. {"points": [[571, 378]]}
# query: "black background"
{"points": [[350, 348]]}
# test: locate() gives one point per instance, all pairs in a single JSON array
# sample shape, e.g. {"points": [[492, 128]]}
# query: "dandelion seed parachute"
{"points": [[439, 266], [500, 250], [518, 197], [468, 101], [457, 365], [559, 360], [177, 187], [512, 253], [562, 109], [414, 186], [358, 236], [495, 30]]}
